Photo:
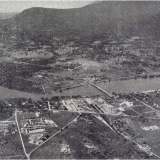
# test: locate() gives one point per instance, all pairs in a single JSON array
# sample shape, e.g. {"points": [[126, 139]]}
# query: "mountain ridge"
{"points": [[124, 17]]}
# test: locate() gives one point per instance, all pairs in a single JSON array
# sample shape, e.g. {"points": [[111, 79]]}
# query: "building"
{"points": [[36, 125], [39, 130], [30, 130], [6, 123], [126, 104]]}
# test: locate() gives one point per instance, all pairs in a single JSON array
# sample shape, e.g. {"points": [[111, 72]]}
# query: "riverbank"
{"points": [[143, 76]]}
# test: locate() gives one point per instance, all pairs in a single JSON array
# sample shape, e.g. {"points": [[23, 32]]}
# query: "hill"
{"points": [[119, 17]]}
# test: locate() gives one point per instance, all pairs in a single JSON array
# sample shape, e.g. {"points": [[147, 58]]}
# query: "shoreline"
{"points": [[144, 76]]}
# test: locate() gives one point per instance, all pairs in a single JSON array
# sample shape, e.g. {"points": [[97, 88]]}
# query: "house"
{"points": [[6, 123]]}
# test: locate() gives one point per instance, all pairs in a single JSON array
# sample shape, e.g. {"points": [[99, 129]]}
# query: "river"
{"points": [[6, 93], [118, 86], [131, 85], [86, 90]]}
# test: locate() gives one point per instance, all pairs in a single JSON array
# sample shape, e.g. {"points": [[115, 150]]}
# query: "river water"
{"points": [[118, 86], [86, 90], [6, 93], [132, 85]]}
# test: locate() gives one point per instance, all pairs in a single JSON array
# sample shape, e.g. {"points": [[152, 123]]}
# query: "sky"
{"points": [[18, 5]]}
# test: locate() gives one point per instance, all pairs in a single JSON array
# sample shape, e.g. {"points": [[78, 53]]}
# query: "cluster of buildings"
{"points": [[77, 105], [35, 127], [38, 138], [102, 106], [8, 127], [124, 104], [95, 104]]}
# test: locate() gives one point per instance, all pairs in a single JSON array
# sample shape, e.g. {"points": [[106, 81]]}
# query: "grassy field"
{"points": [[61, 118], [89, 138], [10, 146], [52, 150], [152, 136]]}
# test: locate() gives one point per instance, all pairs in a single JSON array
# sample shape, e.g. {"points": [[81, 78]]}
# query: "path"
{"points": [[147, 105], [24, 149]]}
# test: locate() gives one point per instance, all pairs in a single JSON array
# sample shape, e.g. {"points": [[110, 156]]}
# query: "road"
{"points": [[24, 149], [110, 95], [147, 105], [10, 118], [136, 112], [87, 112]]}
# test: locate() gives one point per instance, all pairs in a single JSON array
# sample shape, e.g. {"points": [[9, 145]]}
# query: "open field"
{"points": [[89, 138], [142, 109], [61, 118], [155, 99], [10, 146], [54, 150], [149, 129]]}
